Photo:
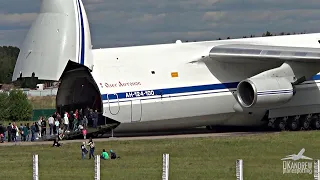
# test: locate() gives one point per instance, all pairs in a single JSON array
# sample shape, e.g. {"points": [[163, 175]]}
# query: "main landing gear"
{"points": [[296, 123]]}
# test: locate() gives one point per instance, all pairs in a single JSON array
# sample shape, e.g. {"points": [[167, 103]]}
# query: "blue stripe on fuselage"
{"points": [[79, 35], [177, 90], [193, 89], [82, 35]]}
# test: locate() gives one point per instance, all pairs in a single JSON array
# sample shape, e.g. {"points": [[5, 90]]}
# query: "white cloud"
{"points": [[17, 19], [124, 23]]}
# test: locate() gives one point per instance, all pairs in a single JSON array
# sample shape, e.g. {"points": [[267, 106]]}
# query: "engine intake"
{"points": [[264, 92]]}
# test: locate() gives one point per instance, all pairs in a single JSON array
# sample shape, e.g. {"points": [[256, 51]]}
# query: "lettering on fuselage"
{"points": [[129, 84], [140, 94], [108, 85], [121, 84]]}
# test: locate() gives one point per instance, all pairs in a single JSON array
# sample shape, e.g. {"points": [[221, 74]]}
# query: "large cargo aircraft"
{"points": [[237, 82]]}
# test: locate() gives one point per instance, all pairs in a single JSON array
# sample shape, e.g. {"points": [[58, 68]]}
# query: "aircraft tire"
{"points": [[305, 124], [293, 125], [315, 123], [281, 125]]}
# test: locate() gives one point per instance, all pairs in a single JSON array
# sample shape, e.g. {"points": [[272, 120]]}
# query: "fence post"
{"points": [[316, 167], [239, 169], [97, 168], [165, 167], [35, 167]]}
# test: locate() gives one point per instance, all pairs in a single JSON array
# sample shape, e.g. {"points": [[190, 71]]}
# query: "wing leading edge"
{"points": [[241, 53]]}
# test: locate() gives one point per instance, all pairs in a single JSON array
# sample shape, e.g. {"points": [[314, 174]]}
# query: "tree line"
{"points": [[15, 106], [8, 58]]}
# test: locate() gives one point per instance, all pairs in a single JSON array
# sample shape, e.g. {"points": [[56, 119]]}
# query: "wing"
{"points": [[288, 157], [244, 53]]}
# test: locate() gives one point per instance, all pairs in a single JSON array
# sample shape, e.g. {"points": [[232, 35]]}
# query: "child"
{"points": [[84, 133], [84, 150], [61, 134]]}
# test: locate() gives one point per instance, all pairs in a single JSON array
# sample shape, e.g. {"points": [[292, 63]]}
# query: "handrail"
{"points": [[110, 106]]}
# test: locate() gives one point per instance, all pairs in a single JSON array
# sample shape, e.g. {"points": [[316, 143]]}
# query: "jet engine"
{"points": [[264, 92]]}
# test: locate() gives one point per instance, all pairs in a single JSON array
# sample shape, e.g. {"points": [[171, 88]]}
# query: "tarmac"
{"points": [[189, 133]]}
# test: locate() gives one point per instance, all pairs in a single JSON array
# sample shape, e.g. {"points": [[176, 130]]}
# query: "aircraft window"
{"points": [[319, 41], [273, 52], [152, 72], [300, 54]]}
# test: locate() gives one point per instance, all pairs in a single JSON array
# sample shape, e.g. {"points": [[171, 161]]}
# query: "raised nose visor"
{"points": [[59, 34]]}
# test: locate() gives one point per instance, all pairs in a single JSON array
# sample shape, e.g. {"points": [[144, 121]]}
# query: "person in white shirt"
{"points": [[50, 122], [66, 121]]}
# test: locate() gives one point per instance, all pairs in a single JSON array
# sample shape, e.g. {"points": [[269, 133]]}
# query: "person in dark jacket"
{"points": [[56, 143], [33, 131], [113, 155], [95, 118], [71, 119], [43, 127], [92, 147], [9, 129]]}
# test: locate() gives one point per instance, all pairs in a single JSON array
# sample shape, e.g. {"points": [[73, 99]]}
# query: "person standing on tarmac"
{"points": [[51, 125], [66, 121], [95, 118], [85, 122]]}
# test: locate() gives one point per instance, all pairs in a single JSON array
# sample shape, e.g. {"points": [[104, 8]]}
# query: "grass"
{"points": [[43, 102], [194, 158]]}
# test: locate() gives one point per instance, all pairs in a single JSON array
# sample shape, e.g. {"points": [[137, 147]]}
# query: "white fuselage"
{"points": [[159, 87], [131, 80]]}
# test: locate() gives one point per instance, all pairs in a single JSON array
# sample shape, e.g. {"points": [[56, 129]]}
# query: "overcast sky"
{"points": [[125, 23]]}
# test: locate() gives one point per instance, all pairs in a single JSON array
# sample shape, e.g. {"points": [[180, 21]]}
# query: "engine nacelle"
{"points": [[264, 92]]}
